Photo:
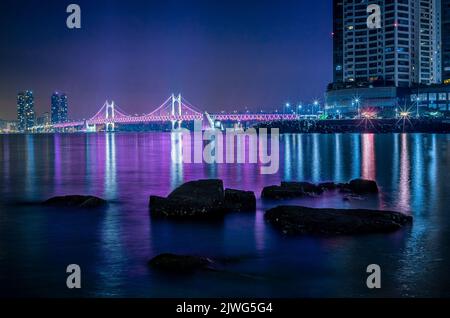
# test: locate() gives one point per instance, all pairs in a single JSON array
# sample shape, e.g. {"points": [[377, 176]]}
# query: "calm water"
{"points": [[112, 247]]}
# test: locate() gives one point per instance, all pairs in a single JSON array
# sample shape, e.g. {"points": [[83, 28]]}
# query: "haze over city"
{"points": [[220, 56]]}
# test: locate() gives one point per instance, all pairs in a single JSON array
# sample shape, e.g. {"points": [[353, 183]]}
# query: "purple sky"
{"points": [[221, 54]]}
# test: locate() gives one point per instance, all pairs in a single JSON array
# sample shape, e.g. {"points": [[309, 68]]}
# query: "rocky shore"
{"points": [[360, 126]]}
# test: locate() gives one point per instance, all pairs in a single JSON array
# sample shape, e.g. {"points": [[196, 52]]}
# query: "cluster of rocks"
{"points": [[209, 199], [289, 190], [202, 198]]}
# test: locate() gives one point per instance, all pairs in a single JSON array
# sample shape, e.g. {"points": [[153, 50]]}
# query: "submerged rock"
{"points": [[302, 220], [180, 263], [76, 201], [328, 186], [202, 198], [362, 186], [237, 200], [288, 190]]}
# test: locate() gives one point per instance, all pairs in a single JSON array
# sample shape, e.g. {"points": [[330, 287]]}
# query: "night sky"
{"points": [[220, 54]]}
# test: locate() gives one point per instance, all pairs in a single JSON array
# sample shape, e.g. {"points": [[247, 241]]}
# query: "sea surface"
{"points": [[113, 246]]}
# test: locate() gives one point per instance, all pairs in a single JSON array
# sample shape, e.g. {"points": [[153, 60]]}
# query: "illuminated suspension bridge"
{"points": [[175, 110]]}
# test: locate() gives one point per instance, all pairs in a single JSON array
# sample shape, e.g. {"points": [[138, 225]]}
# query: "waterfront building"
{"points": [[59, 108], [378, 63], [43, 120], [445, 31], [8, 126], [431, 97], [25, 111]]}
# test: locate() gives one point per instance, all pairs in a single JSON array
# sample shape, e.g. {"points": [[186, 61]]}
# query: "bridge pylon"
{"points": [[110, 114], [176, 111]]}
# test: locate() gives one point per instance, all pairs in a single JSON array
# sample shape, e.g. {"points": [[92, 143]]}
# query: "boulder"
{"points": [[302, 220], [237, 200], [76, 201], [180, 263], [288, 190], [362, 186], [202, 198]]}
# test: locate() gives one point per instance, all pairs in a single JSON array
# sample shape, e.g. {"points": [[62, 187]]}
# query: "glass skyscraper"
{"points": [[25, 111], [59, 108]]}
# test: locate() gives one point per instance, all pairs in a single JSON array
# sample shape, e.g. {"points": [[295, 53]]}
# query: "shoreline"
{"points": [[373, 126]]}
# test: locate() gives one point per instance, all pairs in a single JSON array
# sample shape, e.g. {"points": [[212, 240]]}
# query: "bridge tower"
{"points": [[110, 113], [176, 111]]}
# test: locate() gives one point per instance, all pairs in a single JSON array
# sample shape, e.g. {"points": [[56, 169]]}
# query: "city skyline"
{"points": [[255, 54]]}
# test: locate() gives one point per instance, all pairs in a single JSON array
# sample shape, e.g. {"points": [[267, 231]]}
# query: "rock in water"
{"points": [[328, 186], [203, 198], [288, 190], [237, 200], [362, 186], [302, 220], [180, 263], [76, 201]]}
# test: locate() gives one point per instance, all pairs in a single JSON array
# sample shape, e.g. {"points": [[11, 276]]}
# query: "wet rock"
{"points": [[288, 190], [328, 186], [180, 263], [302, 220], [202, 198], [237, 200], [362, 186], [76, 201]]}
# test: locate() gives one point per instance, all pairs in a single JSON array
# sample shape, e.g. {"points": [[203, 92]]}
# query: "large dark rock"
{"points": [[180, 263], [362, 186], [237, 200], [303, 220], [203, 198], [76, 201], [288, 190]]}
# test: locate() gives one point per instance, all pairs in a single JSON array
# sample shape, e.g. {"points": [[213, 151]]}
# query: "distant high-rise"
{"points": [[59, 108], [445, 41], [404, 51], [25, 111]]}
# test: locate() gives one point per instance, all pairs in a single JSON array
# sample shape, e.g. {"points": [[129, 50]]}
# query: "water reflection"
{"points": [[356, 158], [110, 167], [368, 157], [412, 171], [315, 158], [176, 152], [404, 183], [30, 166], [338, 169]]}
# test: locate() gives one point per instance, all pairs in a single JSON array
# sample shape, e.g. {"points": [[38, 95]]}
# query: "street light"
{"points": [[287, 107], [357, 101], [417, 106]]}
